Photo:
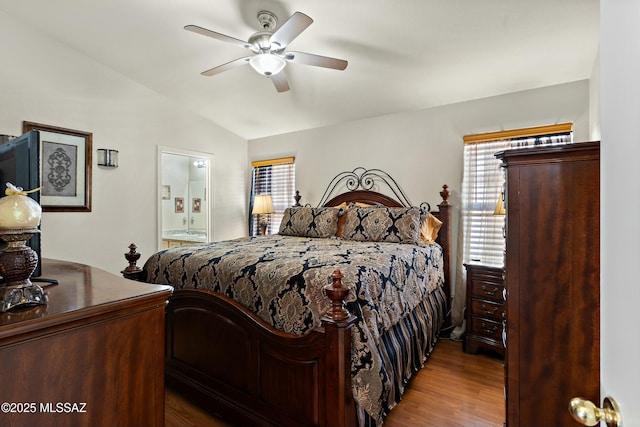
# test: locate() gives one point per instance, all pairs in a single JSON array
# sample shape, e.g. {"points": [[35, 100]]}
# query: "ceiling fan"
{"points": [[269, 48]]}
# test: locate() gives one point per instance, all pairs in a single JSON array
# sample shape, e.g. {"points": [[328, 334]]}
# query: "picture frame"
{"points": [[179, 204], [65, 167], [196, 204]]}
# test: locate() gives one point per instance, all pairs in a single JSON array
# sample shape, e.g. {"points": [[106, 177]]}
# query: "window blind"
{"points": [[275, 177], [483, 186]]}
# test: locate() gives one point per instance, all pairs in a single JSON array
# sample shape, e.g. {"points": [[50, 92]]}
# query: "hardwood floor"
{"points": [[469, 394], [179, 412]]}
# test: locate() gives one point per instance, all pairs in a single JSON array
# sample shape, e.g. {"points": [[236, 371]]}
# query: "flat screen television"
{"points": [[20, 165]]}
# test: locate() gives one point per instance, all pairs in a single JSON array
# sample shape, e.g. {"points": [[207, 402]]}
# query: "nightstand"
{"points": [[486, 309]]}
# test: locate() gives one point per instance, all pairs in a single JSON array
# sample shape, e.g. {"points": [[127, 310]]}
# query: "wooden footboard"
{"points": [[232, 363]]}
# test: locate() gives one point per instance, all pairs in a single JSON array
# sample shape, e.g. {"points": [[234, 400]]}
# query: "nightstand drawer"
{"points": [[492, 310], [487, 290], [487, 328]]}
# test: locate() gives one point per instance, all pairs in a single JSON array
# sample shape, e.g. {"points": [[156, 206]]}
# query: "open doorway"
{"points": [[185, 204]]}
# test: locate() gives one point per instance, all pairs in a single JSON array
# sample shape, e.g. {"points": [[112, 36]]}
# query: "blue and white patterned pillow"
{"points": [[309, 222], [383, 224]]}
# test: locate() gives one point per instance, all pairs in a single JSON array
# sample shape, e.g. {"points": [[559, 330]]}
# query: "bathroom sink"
{"points": [[187, 235]]}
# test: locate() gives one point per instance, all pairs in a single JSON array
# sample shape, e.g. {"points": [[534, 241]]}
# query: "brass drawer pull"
{"points": [[491, 330], [488, 292], [488, 310]]}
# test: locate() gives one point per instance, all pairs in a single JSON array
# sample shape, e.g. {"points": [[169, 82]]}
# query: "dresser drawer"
{"points": [[489, 309], [487, 328]]}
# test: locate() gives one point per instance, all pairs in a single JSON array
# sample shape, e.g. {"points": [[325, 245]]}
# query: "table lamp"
{"points": [[262, 206], [19, 219]]}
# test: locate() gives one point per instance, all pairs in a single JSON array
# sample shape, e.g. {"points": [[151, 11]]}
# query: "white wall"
{"points": [[423, 149], [45, 82]]}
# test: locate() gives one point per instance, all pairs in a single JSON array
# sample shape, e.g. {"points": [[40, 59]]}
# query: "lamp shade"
{"points": [[500, 206], [267, 63], [262, 204], [19, 212]]}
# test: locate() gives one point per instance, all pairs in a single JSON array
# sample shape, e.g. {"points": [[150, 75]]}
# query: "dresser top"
{"points": [[82, 291]]}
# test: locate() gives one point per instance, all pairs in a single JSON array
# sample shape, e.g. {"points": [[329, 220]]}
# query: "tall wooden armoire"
{"points": [[552, 281]]}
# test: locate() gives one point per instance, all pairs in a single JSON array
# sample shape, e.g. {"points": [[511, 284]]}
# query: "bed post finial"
{"points": [[297, 198], [337, 292], [445, 195], [132, 271]]}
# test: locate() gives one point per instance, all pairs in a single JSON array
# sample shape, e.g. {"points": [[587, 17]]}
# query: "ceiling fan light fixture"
{"points": [[267, 63], [269, 48]]}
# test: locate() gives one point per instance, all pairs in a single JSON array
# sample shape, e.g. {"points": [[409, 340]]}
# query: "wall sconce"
{"points": [[107, 157]]}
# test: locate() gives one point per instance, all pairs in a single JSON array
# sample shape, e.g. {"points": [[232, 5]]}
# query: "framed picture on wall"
{"points": [[195, 206], [179, 202], [65, 159]]}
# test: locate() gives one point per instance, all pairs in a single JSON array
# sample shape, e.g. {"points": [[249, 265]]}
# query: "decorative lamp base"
{"points": [[12, 297], [17, 263]]}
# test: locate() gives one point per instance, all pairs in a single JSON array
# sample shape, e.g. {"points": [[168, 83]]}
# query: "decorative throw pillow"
{"points": [[383, 224], [342, 217], [429, 230], [309, 222]]}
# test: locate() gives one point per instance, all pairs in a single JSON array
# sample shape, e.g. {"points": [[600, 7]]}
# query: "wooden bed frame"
{"points": [[232, 363]]}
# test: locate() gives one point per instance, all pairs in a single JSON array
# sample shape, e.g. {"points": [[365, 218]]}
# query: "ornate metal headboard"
{"points": [[361, 184]]}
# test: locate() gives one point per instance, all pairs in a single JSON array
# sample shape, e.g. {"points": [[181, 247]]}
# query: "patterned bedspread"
{"points": [[280, 278]]}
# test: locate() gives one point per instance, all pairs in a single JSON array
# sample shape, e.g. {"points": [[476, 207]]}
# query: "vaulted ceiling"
{"points": [[402, 55]]}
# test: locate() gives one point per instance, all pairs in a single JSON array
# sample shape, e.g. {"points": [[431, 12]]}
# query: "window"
{"points": [[275, 177], [483, 183]]}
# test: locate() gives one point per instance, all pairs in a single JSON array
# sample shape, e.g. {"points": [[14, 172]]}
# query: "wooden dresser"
{"points": [[94, 356], [485, 311], [552, 282]]}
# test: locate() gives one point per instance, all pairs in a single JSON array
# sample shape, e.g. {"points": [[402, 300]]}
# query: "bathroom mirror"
{"points": [[184, 197]]}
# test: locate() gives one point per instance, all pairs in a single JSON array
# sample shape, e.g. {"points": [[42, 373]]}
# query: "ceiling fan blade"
{"points": [[315, 60], [218, 36], [280, 81], [224, 67], [291, 28]]}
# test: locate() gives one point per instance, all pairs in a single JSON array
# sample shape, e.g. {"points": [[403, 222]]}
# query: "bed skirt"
{"points": [[404, 350]]}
